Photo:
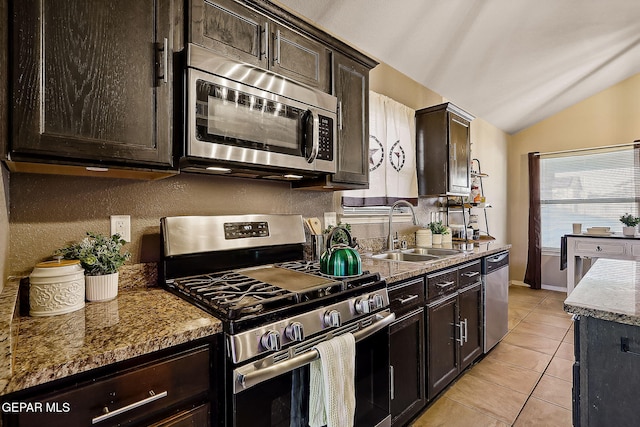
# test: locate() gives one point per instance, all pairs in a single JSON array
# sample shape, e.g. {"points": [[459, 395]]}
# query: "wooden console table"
{"points": [[581, 246]]}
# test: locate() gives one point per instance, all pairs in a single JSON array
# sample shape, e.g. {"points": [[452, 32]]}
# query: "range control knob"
{"points": [[295, 331], [376, 301], [332, 319], [271, 341], [362, 306]]}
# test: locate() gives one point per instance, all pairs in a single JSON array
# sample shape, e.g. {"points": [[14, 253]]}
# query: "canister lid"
{"points": [[56, 268], [58, 263]]}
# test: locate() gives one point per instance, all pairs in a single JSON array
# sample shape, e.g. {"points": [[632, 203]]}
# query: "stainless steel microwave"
{"points": [[243, 119]]}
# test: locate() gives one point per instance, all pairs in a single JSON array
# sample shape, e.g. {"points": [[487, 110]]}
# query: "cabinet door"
{"points": [[92, 81], [407, 367], [459, 151], [470, 315], [442, 348], [352, 89], [230, 29], [300, 58]]}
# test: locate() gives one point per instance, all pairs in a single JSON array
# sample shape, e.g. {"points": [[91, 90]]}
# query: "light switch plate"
{"points": [[330, 218], [121, 224]]}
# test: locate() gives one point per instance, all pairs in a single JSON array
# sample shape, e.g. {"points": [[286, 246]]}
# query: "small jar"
{"points": [[56, 287]]}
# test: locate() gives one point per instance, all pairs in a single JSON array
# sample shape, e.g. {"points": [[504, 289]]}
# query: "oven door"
{"points": [[237, 123], [278, 394]]}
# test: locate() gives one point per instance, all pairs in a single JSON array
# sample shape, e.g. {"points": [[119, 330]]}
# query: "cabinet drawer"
{"points": [[405, 296], [442, 283], [469, 273], [128, 397], [596, 248]]}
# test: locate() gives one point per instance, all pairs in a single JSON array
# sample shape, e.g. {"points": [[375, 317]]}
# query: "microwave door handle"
{"points": [[313, 121]]}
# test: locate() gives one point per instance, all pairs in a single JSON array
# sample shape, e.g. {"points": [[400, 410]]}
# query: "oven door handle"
{"points": [[259, 375]]}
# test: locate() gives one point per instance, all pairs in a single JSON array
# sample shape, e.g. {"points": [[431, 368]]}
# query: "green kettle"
{"points": [[340, 260]]}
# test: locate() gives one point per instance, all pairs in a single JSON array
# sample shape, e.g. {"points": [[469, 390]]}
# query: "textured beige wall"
{"points": [[47, 210], [388, 81], [607, 118], [4, 225]]}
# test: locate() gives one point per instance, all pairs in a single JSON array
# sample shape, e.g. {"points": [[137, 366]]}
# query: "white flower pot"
{"points": [[102, 288], [437, 239], [628, 231]]}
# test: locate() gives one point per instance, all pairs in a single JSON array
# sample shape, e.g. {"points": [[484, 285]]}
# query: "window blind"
{"points": [[593, 188]]}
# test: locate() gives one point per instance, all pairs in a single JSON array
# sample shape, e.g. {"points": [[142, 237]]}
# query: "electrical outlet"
{"points": [[330, 218], [121, 224]]}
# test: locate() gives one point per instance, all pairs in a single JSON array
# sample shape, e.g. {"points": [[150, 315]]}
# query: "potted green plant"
{"points": [[100, 257], [438, 229], [630, 223]]}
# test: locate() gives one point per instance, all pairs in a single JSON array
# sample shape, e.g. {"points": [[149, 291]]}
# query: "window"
{"points": [[593, 187]]}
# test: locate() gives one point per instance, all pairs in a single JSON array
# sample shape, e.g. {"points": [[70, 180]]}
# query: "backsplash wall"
{"points": [[47, 211]]}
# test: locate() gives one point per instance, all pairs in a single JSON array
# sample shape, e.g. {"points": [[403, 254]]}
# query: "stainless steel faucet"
{"points": [[390, 240]]}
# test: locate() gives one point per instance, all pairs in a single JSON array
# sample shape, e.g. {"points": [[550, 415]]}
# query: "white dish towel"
{"points": [[332, 397]]}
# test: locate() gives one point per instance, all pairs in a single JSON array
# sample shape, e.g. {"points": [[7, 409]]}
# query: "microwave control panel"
{"points": [[325, 131]]}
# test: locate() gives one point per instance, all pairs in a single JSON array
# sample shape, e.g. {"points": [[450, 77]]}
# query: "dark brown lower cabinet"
{"points": [[454, 336], [170, 389], [442, 349], [470, 309], [407, 366]]}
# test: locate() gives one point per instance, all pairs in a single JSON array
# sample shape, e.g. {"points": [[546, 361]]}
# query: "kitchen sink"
{"points": [[417, 254], [403, 256], [432, 251]]}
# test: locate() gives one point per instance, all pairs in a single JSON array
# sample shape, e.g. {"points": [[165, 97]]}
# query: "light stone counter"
{"points": [[141, 320], [609, 291]]}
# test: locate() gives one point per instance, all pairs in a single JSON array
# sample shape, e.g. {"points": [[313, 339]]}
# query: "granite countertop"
{"points": [[609, 291], [396, 271], [139, 321]]}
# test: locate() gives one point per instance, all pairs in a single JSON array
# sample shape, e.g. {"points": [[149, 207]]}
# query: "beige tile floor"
{"points": [[525, 380]]}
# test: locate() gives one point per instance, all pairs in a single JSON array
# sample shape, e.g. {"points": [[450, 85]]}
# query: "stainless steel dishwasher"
{"points": [[495, 278]]}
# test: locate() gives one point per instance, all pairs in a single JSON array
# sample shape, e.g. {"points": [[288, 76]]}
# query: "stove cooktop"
{"points": [[246, 297]]}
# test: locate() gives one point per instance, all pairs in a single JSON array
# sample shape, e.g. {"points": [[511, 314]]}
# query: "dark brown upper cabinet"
{"points": [[232, 30], [92, 83], [242, 33], [443, 150]]}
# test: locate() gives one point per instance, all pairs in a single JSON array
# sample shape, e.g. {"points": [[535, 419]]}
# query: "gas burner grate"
{"points": [[234, 295]]}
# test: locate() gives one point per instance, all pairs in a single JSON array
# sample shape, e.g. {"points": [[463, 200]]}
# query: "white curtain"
{"points": [[392, 155]]}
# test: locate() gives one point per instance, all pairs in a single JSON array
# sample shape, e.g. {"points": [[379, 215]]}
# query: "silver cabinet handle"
{"points": [[470, 274], [339, 115], [460, 327], [407, 299], [152, 398], [391, 380], [265, 38], [277, 54], [445, 284], [466, 330]]}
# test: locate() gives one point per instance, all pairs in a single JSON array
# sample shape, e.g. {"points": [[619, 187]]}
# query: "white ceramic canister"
{"points": [[56, 287], [424, 238]]}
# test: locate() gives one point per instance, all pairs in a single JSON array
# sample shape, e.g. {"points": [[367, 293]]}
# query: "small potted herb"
{"points": [[101, 257], [438, 229], [630, 223]]}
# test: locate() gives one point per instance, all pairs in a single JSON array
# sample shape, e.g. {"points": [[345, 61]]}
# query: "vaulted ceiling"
{"points": [[510, 62]]}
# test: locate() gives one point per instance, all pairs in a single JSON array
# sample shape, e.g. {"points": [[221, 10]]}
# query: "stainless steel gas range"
{"points": [[248, 270]]}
